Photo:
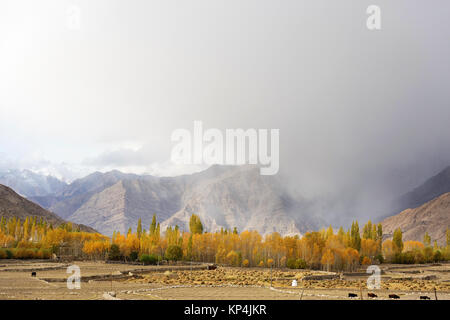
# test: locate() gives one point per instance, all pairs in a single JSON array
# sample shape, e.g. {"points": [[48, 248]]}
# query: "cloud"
{"points": [[363, 115], [140, 161]]}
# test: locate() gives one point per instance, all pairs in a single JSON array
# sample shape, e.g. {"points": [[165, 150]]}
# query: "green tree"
{"points": [[174, 253], [139, 228], [367, 231], [437, 256], [153, 225], [379, 237], [379, 233], [448, 237], [355, 236], [398, 240], [427, 239], [149, 259], [114, 252], [195, 225]]}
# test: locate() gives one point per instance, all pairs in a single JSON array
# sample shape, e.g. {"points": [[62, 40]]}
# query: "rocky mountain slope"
{"points": [[429, 190], [222, 196], [13, 205], [432, 217]]}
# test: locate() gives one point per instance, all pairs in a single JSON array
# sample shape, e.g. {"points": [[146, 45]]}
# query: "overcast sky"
{"points": [[361, 113]]}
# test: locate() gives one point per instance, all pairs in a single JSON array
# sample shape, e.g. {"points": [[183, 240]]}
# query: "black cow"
{"points": [[372, 295], [394, 296], [33, 274], [425, 298], [352, 295], [212, 267]]}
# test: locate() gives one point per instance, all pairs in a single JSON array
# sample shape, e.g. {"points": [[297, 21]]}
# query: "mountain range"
{"points": [[223, 197]]}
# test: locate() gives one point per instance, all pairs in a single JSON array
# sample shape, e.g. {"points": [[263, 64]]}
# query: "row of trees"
{"points": [[33, 238], [325, 249]]}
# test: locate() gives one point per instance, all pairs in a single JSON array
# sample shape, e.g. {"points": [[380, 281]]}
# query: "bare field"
{"points": [[186, 282]]}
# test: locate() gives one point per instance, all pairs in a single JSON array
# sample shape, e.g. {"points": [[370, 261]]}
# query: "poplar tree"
{"points": [[195, 225], [448, 237], [426, 239], [355, 236], [367, 230], [153, 225], [397, 240], [139, 228]]}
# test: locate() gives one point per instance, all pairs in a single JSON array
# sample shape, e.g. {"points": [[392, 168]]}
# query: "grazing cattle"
{"points": [[425, 298], [212, 267], [352, 295], [33, 274], [372, 295], [394, 296]]}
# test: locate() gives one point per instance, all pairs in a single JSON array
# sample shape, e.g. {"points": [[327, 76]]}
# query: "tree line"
{"points": [[326, 249], [37, 239]]}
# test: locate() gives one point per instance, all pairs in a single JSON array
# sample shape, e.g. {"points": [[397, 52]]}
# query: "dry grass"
{"points": [[222, 283]]}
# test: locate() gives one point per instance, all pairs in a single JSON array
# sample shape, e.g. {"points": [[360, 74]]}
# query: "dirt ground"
{"points": [[186, 282]]}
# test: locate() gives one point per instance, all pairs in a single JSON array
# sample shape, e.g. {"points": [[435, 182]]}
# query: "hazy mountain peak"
{"points": [[223, 196]]}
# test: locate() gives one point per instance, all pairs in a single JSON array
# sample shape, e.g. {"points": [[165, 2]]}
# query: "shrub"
{"points": [[380, 258], [428, 254], [419, 257], [301, 264], [296, 263], [134, 255], [149, 259], [291, 263], [24, 253], [405, 258], [245, 263], [437, 256], [46, 253]]}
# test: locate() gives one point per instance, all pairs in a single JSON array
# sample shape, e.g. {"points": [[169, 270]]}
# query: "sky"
{"points": [[363, 115]]}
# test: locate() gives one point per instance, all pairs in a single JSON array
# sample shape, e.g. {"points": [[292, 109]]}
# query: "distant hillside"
{"points": [[432, 217], [430, 189], [73, 196], [13, 205]]}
